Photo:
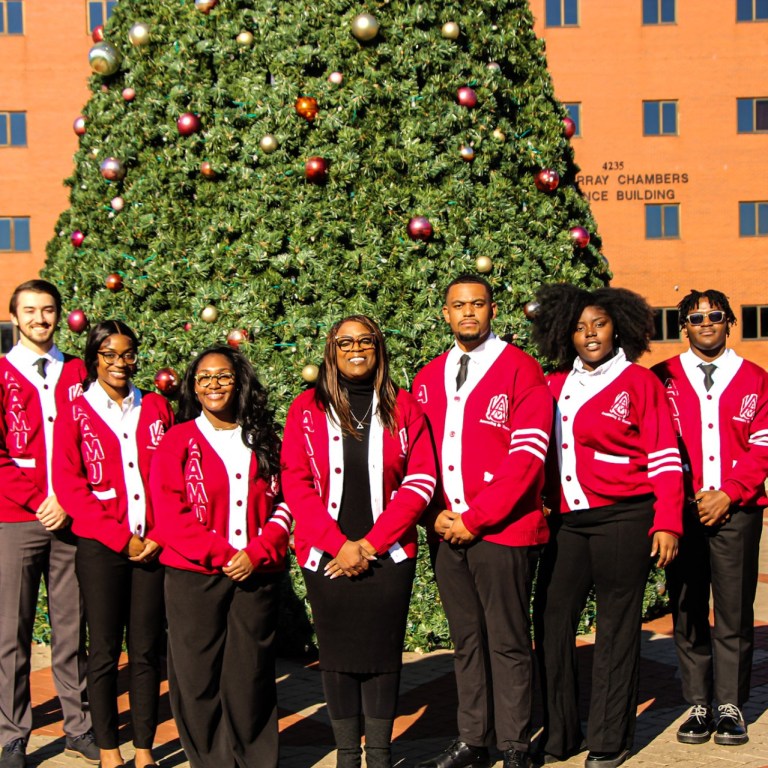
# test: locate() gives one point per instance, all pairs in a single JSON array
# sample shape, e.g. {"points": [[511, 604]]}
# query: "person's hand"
{"points": [[443, 522], [351, 560], [134, 547], [52, 515], [713, 507], [458, 533], [149, 553], [240, 567], [665, 546]]}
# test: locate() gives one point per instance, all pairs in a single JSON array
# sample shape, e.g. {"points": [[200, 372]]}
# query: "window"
{"points": [[666, 322], [751, 10], [658, 11], [660, 118], [662, 221], [98, 12], [574, 112], [753, 219], [562, 13], [752, 115], [13, 129], [14, 233], [7, 337], [754, 322], [11, 17]]}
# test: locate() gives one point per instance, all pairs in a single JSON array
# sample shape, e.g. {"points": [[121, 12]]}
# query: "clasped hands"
{"points": [[141, 550], [354, 558], [450, 527]]}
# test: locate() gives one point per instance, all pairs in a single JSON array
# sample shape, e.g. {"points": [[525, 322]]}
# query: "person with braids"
{"points": [[358, 471], [720, 406], [105, 442], [215, 488], [614, 495]]}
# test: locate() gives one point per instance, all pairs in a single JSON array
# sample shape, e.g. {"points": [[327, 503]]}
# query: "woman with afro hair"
{"points": [[614, 498]]}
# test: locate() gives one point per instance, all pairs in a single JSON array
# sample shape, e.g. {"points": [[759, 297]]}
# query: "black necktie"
{"points": [[40, 365], [709, 369], [462, 376]]}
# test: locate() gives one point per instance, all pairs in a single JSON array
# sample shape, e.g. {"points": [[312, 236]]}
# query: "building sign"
{"points": [[617, 183]]}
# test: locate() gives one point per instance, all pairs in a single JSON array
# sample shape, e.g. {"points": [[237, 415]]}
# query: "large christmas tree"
{"points": [[268, 167]]}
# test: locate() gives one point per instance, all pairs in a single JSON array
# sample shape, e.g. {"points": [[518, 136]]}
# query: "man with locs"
{"points": [[719, 404], [490, 413], [35, 539]]}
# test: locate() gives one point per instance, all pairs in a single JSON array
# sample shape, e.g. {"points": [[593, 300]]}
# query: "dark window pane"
{"points": [[651, 118], [653, 221], [672, 317], [15, 18], [744, 112], [21, 235], [6, 337], [761, 114], [4, 137], [749, 322], [762, 219], [110, 8], [671, 221], [762, 331], [668, 11], [571, 12], [746, 219], [761, 10], [5, 234], [650, 12], [553, 14], [95, 15], [574, 112], [669, 117], [743, 10], [658, 325], [18, 129]]}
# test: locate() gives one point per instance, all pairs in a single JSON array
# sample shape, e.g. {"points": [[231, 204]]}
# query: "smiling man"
{"points": [[490, 413], [719, 404]]}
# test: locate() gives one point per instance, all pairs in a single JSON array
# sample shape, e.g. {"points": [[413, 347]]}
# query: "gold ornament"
{"points": [[205, 5], [104, 59], [450, 30], [499, 135], [307, 107], [268, 144], [309, 373], [467, 153], [209, 314], [245, 38], [484, 264], [365, 27], [138, 34]]}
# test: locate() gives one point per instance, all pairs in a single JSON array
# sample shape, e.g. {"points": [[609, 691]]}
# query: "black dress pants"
{"points": [[221, 667], [610, 548], [716, 663], [120, 595], [485, 589]]}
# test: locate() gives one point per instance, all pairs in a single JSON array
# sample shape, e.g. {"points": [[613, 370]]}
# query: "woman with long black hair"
{"points": [[214, 486]]}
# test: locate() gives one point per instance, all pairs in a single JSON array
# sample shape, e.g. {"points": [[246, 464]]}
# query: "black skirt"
{"points": [[360, 622]]}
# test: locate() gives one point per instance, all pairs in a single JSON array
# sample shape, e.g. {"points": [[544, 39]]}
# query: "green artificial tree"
{"points": [[264, 168]]}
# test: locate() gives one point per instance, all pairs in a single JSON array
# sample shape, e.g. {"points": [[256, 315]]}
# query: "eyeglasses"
{"points": [[715, 316], [223, 379], [345, 343], [131, 357]]}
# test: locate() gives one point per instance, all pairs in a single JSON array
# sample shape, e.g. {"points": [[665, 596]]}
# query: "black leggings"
{"points": [[349, 694]]}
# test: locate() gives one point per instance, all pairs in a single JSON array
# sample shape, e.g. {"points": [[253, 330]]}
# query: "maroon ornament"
{"points": [[77, 238], [580, 236], [569, 127], [114, 282], [316, 170], [77, 321], [420, 228], [98, 34], [188, 123], [187, 326], [467, 97], [207, 170], [236, 337], [167, 381], [531, 309], [79, 125], [547, 180], [112, 169], [307, 107], [129, 94]]}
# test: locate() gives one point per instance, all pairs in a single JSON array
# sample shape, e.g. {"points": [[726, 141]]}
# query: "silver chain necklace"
{"points": [[360, 423]]}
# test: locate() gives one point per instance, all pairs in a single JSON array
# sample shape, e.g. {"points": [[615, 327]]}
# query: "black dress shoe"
{"points": [[698, 727], [606, 759], [459, 755], [14, 754], [513, 758], [731, 730]]}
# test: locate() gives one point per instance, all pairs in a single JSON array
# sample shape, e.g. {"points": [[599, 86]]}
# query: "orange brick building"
{"points": [[671, 100]]}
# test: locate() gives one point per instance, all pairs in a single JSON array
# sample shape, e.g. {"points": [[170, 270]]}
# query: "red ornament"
{"points": [[316, 170], [167, 381], [580, 236], [467, 97], [420, 228], [236, 337], [207, 170], [98, 34], [79, 125], [129, 94], [307, 107], [114, 282], [547, 180], [188, 123], [77, 238], [187, 326], [531, 309], [77, 321], [112, 169], [569, 127]]}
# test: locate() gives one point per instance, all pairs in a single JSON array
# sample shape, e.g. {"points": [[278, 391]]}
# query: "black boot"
{"points": [[346, 732], [378, 743]]}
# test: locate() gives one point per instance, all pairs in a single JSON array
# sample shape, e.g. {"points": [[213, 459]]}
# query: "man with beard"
{"points": [[490, 413], [36, 379]]}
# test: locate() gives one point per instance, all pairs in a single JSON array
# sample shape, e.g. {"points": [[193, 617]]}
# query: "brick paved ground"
{"points": [[428, 704]]}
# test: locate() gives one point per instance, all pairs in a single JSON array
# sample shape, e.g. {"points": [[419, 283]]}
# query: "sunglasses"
{"points": [[715, 316]]}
